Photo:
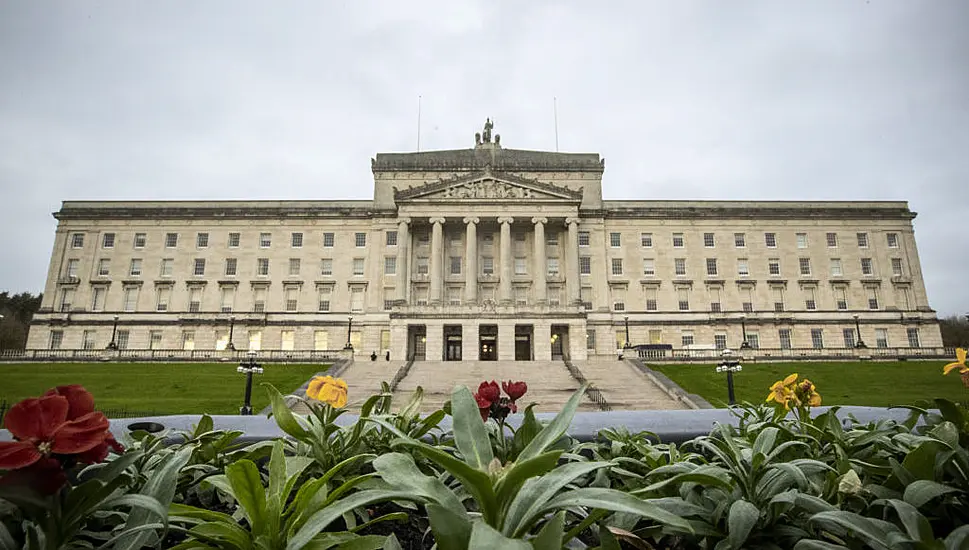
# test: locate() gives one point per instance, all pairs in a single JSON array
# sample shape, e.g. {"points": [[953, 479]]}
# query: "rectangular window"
{"points": [[194, 299], [521, 295], [233, 240], [391, 238], [202, 240], [227, 299], [881, 337], [552, 238], [134, 270], [646, 239], [163, 297], [171, 240], [862, 240], [583, 238], [390, 265], [554, 295], [720, 341], [154, 339], [328, 239], [686, 339], [711, 267], [740, 240], [651, 302], [389, 299], [166, 268], [892, 240], [866, 267], [521, 267], [360, 240], [585, 296], [753, 340], [56, 338], [199, 268], [358, 266], [743, 268], [487, 265], [455, 263], [294, 266], [97, 298], [678, 241], [356, 299], [323, 300], [817, 338], [810, 298], [649, 267], [872, 297], [259, 299], [585, 265], [836, 270], [778, 293], [292, 298], [255, 340], [683, 298], [422, 265], [88, 340], [897, 267], [770, 240], [552, 267], [188, 340], [296, 240], [841, 297], [617, 266], [71, 270], [131, 298], [784, 336], [679, 266], [262, 267], [708, 240], [420, 294], [804, 264], [774, 266], [615, 240], [326, 267], [287, 340], [590, 339], [849, 337], [321, 340], [453, 295], [77, 240], [107, 240], [231, 267], [104, 267], [913, 337], [265, 240], [715, 299], [802, 240], [832, 239]]}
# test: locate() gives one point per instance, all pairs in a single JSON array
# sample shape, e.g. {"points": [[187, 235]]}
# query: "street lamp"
{"points": [[743, 329], [112, 345], [626, 319], [349, 329], [860, 343], [232, 323], [249, 367], [729, 364], [1, 333]]}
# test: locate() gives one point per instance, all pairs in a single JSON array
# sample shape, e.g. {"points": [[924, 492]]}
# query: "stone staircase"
{"points": [[626, 388], [363, 379]]}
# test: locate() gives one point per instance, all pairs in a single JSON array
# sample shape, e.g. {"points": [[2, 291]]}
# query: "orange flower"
{"points": [[332, 391], [959, 364]]}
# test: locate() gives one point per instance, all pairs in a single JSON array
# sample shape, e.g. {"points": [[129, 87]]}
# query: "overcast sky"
{"points": [[841, 99]]}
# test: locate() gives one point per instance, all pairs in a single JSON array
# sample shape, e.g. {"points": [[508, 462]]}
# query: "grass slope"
{"points": [[874, 384], [158, 388]]}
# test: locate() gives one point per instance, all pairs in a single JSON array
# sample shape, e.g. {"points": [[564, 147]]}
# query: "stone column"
{"points": [[471, 271], [504, 283], [538, 263], [437, 257], [403, 254], [572, 278]]}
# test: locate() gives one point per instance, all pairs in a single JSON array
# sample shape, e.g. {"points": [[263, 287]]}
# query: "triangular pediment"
{"points": [[488, 186]]}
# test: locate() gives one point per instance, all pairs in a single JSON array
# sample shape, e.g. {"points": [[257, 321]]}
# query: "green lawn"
{"points": [[158, 388], [873, 384]]}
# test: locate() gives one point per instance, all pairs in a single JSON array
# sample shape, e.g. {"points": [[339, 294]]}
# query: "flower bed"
{"points": [[782, 477]]}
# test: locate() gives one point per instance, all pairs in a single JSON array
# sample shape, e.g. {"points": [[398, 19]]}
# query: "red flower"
{"points": [[489, 391], [514, 389], [41, 428], [81, 402]]}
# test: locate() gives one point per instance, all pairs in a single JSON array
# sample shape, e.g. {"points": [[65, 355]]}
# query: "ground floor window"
{"points": [[849, 335], [817, 338], [321, 340], [288, 340], [784, 335], [753, 340], [188, 340], [88, 340], [56, 338], [155, 339], [881, 337], [123, 339], [720, 341], [913, 337], [255, 340], [590, 339]]}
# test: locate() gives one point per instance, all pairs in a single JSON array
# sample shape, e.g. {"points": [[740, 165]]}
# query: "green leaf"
{"points": [[485, 537], [919, 492], [284, 415], [920, 462], [400, 471], [324, 541], [182, 511], [323, 518], [765, 440], [6, 539], [451, 528], [247, 488], [915, 524], [740, 521], [223, 535], [550, 537], [392, 543], [429, 422], [811, 544], [958, 538], [948, 433], [950, 411], [529, 428], [512, 480], [615, 501], [277, 473], [470, 434], [367, 542], [607, 541], [717, 477], [161, 487], [555, 429], [204, 426], [854, 524], [536, 492]]}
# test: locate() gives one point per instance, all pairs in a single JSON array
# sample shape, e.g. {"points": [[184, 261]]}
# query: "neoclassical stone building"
{"points": [[484, 253]]}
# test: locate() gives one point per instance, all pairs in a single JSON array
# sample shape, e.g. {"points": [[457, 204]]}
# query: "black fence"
{"points": [[171, 355], [591, 392], [116, 412]]}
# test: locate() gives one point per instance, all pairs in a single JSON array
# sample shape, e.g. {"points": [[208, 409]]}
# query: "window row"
{"points": [[785, 338], [232, 240], [187, 339], [710, 240], [714, 267]]}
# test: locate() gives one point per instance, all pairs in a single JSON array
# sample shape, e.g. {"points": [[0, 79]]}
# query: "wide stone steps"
{"points": [[625, 387]]}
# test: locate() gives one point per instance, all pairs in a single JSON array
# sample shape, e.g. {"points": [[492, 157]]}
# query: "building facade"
{"points": [[480, 254]]}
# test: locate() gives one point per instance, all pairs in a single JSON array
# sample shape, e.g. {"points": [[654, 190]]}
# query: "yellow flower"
{"points": [[815, 400], [780, 393], [790, 380], [332, 391], [959, 364]]}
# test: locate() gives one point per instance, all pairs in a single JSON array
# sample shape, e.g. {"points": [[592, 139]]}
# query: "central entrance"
{"points": [[452, 342], [523, 342], [416, 342], [488, 342]]}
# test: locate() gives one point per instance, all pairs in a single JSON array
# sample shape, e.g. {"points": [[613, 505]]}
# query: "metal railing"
{"points": [[591, 392], [280, 356], [402, 373], [686, 355]]}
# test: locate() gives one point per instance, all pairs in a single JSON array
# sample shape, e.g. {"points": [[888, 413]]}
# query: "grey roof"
{"points": [[488, 154]]}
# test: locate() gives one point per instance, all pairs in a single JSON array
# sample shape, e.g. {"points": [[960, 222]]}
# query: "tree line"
{"points": [[17, 311]]}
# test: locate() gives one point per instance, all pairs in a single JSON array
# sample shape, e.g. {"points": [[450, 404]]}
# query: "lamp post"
{"points": [[1, 334], [743, 329], [860, 343], [349, 329], [112, 345], [729, 364], [249, 367], [232, 323], [626, 319]]}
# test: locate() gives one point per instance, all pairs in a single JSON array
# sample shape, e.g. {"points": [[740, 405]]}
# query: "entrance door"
{"points": [[488, 343], [452, 343], [416, 342], [523, 342]]}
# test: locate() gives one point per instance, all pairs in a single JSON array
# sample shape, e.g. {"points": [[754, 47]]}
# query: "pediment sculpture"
{"points": [[487, 189]]}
